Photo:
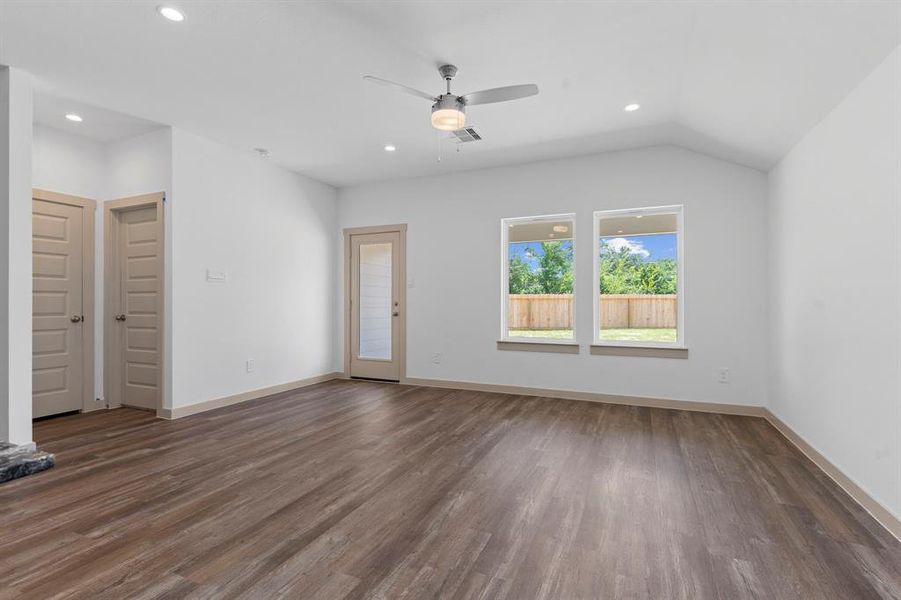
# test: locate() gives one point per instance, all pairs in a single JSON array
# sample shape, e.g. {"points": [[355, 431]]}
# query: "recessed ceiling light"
{"points": [[638, 216], [561, 228], [619, 231], [74, 117], [631, 107], [170, 13], [390, 148]]}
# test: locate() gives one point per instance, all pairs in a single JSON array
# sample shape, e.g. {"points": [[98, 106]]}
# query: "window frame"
{"points": [[505, 278], [679, 211]]}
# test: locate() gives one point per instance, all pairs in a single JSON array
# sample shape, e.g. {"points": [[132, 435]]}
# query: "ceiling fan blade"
{"points": [[401, 87], [501, 94]]}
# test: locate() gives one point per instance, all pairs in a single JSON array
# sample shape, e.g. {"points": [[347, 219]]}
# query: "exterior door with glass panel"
{"points": [[376, 321]]}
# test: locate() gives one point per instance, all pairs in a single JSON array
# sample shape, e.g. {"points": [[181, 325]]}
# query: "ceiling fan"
{"points": [[449, 110]]}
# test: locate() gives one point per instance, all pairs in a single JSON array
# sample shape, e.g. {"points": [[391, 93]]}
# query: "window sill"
{"points": [[539, 346], [648, 351]]}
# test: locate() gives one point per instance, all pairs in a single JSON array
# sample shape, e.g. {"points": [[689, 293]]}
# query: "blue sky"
{"points": [[521, 249], [650, 247]]}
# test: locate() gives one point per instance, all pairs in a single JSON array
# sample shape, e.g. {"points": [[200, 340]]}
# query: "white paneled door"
{"points": [[376, 322], [58, 308]]}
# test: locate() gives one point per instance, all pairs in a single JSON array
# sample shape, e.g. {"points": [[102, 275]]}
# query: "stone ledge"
{"points": [[19, 461]]}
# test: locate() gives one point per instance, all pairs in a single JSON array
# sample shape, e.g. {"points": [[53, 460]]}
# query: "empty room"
{"points": [[452, 299]]}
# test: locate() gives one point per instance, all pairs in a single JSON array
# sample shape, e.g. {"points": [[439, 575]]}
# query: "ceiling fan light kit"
{"points": [[448, 109], [449, 113]]}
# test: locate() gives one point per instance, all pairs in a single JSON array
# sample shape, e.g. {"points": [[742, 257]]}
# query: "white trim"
{"points": [[505, 276], [679, 211], [192, 409], [878, 511], [747, 410], [523, 344], [645, 351]]}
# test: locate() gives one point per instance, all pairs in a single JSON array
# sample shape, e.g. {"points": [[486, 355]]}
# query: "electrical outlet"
{"points": [[436, 358], [251, 365], [723, 376]]}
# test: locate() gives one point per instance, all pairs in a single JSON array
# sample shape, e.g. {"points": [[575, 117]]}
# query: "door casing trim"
{"points": [[401, 230], [156, 199], [89, 210]]}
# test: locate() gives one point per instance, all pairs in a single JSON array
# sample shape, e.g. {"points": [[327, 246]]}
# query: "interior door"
{"points": [[376, 320], [138, 310], [58, 318]]}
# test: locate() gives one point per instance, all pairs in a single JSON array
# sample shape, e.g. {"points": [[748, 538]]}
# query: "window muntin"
{"points": [[538, 278], [639, 277]]}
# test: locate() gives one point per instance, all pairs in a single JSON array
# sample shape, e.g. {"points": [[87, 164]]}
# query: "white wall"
{"points": [[454, 259], [71, 164], [271, 231], [835, 286], [15, 255], [140, 165]]}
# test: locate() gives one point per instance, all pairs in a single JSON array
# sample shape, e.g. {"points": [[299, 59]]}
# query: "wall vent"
{"points": [[467, 134]]}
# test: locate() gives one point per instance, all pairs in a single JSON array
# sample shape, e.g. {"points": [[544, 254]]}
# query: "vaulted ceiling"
{"points": [[740, 80]]}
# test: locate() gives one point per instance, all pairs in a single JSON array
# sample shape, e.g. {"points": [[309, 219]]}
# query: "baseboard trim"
{"points": [[707, 407], [882, 515], [193, 409]]}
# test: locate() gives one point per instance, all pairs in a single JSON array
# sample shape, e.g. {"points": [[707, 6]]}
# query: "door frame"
{"points": [[89, 209], [401, 230], [110, 209]]}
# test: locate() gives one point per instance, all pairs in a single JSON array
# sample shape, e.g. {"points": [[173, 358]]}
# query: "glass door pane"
{"points": [[375, 301]]}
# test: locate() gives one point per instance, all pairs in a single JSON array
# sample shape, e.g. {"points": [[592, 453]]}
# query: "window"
{"points": [[538, 278], [638, 270]]}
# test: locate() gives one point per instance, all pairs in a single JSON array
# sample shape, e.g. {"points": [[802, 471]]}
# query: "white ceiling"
{"points": [[740, 80], [99, 124]]}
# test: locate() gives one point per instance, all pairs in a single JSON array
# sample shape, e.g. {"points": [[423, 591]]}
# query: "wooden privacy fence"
{"points": [[638, 311], [618, 311]]}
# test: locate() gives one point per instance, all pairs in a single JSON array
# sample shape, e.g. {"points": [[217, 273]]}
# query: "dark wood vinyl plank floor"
{"points": [[366, 490]]}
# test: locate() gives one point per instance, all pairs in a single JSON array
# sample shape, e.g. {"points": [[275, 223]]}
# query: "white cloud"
{"points": [[616, 244]]}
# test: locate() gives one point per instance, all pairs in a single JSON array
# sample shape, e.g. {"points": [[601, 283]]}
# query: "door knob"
{"points": [[120, 317], [75, 319]]}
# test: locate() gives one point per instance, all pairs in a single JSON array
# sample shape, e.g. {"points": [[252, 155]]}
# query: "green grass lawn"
{"points": [[556, 334], [638, 335], [607, 335]]}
